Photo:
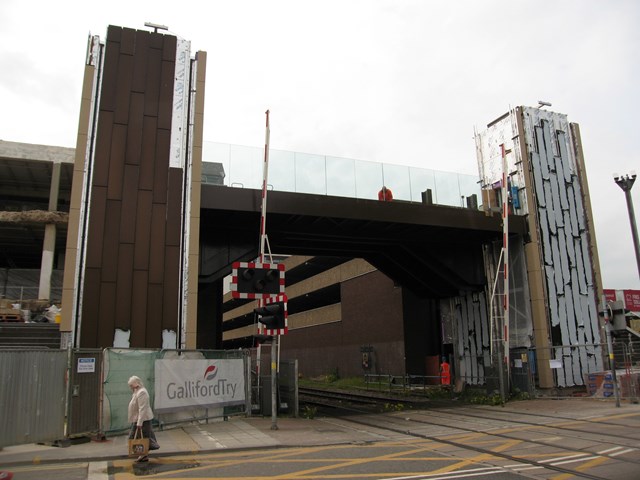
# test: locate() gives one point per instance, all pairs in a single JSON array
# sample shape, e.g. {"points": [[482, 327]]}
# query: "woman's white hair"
{"points": [[135, 381]]}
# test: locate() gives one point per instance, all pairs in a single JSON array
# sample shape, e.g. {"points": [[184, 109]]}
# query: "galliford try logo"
{"points": [[209, 386], [198, 383]]}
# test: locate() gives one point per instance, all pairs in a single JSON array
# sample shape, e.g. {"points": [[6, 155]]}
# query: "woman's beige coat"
{"points": [[139, 408]]}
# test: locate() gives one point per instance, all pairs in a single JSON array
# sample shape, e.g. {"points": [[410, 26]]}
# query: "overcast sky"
{"points": [[393, 81]]}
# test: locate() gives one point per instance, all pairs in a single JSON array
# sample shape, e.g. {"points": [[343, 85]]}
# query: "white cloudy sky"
{"points": [[397, 81]]}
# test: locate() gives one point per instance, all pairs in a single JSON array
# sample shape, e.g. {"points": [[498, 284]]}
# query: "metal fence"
{"points": [[120, 364], [577, 371], [401, 383], [32, 396], [626, 354], [51, 395]]}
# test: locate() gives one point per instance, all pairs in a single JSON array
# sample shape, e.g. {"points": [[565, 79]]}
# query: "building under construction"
{"points": [[143, 233]]}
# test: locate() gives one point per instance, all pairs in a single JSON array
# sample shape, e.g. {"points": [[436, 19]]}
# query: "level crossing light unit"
{"points": [[625, 182]]}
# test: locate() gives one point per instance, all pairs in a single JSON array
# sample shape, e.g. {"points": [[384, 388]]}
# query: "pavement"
{"points": [[255, 432]]}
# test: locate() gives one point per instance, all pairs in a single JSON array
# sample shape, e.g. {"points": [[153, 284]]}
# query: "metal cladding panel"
{"points": [[170, 296], [124, 286], [129, 204], [96, 227], [152, 86], [135, 128], [103, 149], [127, 41], [148, 153], [174, 207], [123, 91], [110, 244], [110, 71], [562, 225], [165, 97], [154, 310], [169, 48], [161, 166], [143, 230], [140, 59], [90, 308], [116, 162], [571, 290], [136, 210], [33, 390], [107, 313], [156, 245], [489, 155], [138, 312]]}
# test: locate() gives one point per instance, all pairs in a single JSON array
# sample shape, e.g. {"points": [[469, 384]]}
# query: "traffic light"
{"points": [[256, 280], [259, 338], [273, 315]]}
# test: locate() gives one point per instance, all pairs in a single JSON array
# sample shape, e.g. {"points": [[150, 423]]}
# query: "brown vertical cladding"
{"points": [[103, 149], [161, 166], [174, 207], [138, 323], [93, 257], [124, 284], [110, 245], [129, 204], [148, 153], [116, 162], [90, 308], [156, 248], [132, 276], [135, 129], [143, 231], [170, 295]]}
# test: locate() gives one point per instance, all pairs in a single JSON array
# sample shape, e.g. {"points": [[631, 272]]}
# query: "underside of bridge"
{"points": [[433, 251]]}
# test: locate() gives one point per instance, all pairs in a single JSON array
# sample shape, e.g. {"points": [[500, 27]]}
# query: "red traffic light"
{"points": [[273, 315], [257, 280]]}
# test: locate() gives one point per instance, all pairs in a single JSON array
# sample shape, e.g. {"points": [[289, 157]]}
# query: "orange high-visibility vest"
{"points": [[445, 373]]}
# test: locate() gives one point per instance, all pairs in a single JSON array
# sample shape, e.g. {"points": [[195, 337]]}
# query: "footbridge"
{"points": [[433, 250]]}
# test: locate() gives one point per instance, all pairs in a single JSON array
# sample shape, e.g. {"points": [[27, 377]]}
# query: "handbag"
{"points": [[138, 445]]}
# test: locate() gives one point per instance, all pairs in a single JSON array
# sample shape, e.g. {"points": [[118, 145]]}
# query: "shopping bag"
{"points": [[138, 445]]}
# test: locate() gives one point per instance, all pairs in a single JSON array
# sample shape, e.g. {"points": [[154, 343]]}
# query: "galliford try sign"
{"points": [[198, 383]]}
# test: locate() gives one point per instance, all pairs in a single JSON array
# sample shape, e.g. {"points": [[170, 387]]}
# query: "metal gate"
{"points": [[85, 391], [32, 396], [522, 361]]}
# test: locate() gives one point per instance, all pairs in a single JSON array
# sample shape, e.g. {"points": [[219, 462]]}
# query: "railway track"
{"points": [[327, 396], [445, 424]]}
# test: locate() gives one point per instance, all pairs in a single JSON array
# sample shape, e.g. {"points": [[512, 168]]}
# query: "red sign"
{"points": [[632, 300], [609, 295]]}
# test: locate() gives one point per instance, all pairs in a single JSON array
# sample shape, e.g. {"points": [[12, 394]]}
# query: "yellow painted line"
{"points": [[593, 463], [290, 456], [615, 416], [352, 462], [45, 467]]}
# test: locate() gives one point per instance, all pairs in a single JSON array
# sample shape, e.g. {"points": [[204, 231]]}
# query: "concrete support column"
{"points": [[46, 267], [49, 244]]}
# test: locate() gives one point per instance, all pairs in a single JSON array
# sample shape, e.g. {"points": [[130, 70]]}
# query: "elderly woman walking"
{"points": [[140, 415]]}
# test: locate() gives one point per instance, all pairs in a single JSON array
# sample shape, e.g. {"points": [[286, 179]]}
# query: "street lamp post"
{"points": [[625, 182]]}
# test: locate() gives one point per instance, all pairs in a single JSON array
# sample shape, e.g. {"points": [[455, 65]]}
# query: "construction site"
{"points": [[128, 241]]}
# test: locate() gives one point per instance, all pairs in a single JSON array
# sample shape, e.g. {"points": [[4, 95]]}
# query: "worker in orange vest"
{"points": [[385, 195], [445, 372]]}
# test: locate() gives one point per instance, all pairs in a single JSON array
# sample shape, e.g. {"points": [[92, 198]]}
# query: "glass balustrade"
{"points": [[341, 177]]}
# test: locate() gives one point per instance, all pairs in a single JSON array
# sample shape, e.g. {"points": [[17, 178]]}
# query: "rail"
{"points": [[404, 383]]}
